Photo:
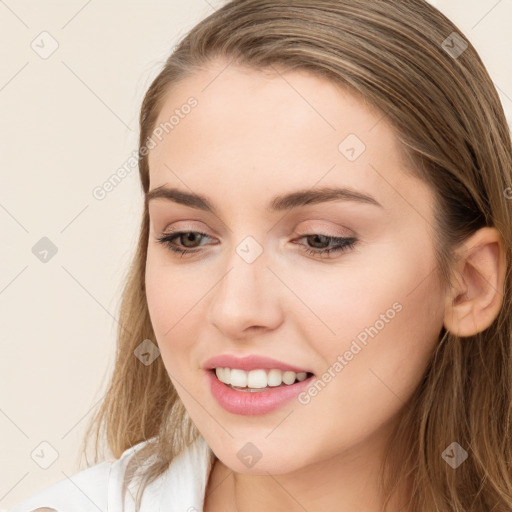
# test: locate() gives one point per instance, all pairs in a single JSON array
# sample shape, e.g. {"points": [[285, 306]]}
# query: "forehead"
{"points": [[256, 133]]}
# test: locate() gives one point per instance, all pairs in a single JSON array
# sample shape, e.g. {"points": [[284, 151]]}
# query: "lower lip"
{"points": [[253, 403]]}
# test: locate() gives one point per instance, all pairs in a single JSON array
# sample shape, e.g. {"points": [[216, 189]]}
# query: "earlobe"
{"points": [[474, 303]]}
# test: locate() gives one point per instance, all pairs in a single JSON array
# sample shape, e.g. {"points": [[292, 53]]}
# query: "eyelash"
{"points": [[344, 244]]}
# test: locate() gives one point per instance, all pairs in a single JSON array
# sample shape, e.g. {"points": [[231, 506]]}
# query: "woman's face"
{"points": [[364, 320]]}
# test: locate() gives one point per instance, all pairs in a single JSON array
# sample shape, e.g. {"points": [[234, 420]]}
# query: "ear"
{"points": [[475, 301]]}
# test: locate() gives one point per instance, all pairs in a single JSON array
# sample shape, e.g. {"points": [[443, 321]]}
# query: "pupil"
{"points": [[189, 237], [319, 237]]}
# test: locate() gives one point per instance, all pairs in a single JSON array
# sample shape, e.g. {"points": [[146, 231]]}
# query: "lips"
{"points": [[263, 401], [252, 362]]}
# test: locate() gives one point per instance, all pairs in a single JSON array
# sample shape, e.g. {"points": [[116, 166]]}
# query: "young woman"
{"points": [[318, 314]]}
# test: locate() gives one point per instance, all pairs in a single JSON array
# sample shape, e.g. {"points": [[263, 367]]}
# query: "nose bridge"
{"points": [[245, 296]]}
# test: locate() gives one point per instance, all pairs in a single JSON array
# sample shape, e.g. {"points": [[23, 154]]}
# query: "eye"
{"points": [[185, 237], [323, 245]]}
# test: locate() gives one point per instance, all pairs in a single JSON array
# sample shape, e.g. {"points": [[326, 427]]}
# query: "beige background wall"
{"points": [[68, 121]]}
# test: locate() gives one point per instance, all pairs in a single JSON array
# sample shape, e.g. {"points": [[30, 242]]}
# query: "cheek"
{"points": [[161, 296], [387, 292], [385, 334], [385, 307], [387, 316], [174, 303]]}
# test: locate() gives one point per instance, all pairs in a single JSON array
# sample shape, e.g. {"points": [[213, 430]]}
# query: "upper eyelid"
{"points": [[336, 230], [179, 232]]}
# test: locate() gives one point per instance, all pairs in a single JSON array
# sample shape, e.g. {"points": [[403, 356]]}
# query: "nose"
{"points": [[246, 300]]}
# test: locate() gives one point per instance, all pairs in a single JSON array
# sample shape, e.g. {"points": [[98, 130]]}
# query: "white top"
{"points": [[98, 488]]}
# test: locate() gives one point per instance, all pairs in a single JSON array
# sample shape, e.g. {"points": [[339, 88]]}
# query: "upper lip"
{"points": [[252, 362]]}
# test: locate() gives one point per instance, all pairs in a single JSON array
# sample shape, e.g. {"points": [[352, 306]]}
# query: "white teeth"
{"points": [[222, 375], [275, 377], [237, 378], [257, 379], [289, 377]]}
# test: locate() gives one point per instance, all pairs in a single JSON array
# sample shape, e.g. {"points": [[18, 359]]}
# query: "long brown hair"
{"points": [[403, 58]]}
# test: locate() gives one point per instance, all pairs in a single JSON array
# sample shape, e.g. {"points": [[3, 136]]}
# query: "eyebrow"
{"points": [[277, 204]]}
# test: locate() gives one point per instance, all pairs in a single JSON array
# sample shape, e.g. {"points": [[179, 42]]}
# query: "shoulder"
{"points": [[100, 487], [94, 488], [79, 492]]}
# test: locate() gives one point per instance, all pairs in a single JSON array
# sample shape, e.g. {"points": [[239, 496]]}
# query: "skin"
{"points": [[254, 135]]}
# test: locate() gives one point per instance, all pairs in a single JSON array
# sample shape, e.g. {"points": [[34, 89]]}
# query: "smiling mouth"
{"points": [[263, 392], [258, 380]]}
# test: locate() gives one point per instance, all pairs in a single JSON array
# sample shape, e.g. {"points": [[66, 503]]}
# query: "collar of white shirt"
{"points": [[99, 488]]}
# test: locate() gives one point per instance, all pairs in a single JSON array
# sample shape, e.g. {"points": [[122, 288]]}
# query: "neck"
{"points": [[344, 482], [331, 485]]}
